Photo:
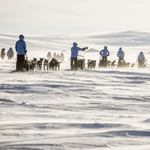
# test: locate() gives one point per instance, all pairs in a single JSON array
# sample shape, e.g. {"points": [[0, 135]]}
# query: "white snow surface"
{"points": [[93, 109]]}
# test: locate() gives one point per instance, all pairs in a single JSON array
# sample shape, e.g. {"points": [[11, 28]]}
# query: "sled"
{"points": [[81, 62], [123, 64], [29, 64], [104, 65]]}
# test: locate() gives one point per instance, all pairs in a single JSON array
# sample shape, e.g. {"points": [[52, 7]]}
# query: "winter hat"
{"points": [[75, 44], [105, 47], [21, 35]]}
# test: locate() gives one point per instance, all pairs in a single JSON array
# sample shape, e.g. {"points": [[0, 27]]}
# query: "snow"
{"points": [[93, 109]]}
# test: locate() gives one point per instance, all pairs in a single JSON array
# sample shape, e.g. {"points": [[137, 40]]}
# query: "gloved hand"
{"points": [[85, 48], [101, 54], [25, 52]]}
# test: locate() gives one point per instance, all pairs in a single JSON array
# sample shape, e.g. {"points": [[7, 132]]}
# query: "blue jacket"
{"points": [[20, 46], [141, 57], [74, 50], [104, 51], [120, 53]]}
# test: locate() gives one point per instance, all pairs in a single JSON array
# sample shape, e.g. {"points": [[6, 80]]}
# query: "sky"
{"points": [[53, 17]]}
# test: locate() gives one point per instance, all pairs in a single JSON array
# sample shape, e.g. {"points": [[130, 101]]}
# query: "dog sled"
{"points": [[123, 64], [143, 64], [103, 63], [29, 64], [81, 62]]}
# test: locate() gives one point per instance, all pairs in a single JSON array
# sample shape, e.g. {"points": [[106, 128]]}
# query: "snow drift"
{"points": [[104, 108]]}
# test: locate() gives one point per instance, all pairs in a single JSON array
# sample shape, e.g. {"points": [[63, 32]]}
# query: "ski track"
{"points": [[71, 110]]}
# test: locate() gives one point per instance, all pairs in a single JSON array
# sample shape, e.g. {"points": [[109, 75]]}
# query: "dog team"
{"points": [[24, 65]]}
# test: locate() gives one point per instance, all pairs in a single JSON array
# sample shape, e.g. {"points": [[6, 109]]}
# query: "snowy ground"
{"points": [[104, 108]]}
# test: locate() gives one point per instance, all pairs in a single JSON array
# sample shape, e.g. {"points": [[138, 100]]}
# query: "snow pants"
{"points": [[74, 63], [20, 62], [104, 61]]}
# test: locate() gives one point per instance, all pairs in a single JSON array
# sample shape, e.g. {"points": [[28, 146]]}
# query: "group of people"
{"points": [[21, 50], [105, 53], [10, 53], [121, 62], [140, 59]]}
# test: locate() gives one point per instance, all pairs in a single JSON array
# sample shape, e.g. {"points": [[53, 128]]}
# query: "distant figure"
{"points": [[62, 57], [3, 53], [121, 55], [141, 60], [49, 56], [10, 53], [74, 55], [57, 57], [21, 51], [54, 55], [104, 53]]}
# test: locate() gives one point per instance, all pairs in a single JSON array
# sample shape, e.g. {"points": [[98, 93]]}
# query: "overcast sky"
{"points": [[73, 16]]}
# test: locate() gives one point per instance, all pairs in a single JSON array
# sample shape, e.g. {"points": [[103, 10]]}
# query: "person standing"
{"points": [[62, 57], [21, 51], [120, 55], [74, 55], [104, 53], [49, 56], [141, 60], [3, 53], [10, 53]]}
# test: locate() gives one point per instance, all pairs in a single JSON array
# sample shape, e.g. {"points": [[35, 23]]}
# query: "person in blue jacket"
{"points": [[141, 60], [74, 55], [121, 55], [104, 53], [21, 51]]}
